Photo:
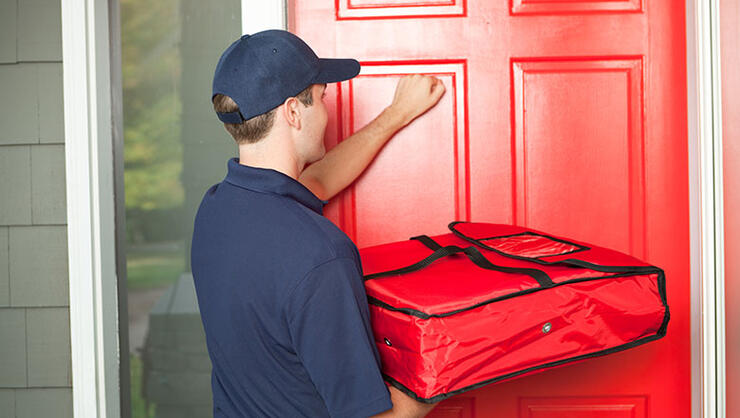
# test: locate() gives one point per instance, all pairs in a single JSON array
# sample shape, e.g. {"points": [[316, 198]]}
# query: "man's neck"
{"points": [[269, 153]]}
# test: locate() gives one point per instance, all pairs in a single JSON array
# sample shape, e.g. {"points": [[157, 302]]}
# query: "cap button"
{"points": [[245, 36]]}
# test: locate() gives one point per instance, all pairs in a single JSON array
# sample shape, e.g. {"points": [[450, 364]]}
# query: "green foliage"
{"points": [[154, 267], [152, 108], [139, 407]]}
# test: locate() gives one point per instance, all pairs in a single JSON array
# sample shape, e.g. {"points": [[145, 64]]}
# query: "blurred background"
{"points": [[173, 150]]}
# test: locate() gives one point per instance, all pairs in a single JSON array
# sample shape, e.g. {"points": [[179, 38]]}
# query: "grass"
{"points": [[138, 404], [147, 268], [151, 268]]}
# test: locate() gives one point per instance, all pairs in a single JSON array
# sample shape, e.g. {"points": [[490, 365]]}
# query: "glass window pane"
{"points": [[174, 149]]}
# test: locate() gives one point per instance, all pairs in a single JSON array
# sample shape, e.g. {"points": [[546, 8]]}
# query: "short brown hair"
{"points": [[256, 128]]}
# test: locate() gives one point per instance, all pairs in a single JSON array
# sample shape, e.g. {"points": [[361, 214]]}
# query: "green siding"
{"points": [[19, 113], [38, 403], [39, 30], [15, 189], [32, 103], [7, 403], [35, 365], [8, 12], [48, 188], [38, 266], [51, 117], [48, 347], [13, 348], [4, 268]]}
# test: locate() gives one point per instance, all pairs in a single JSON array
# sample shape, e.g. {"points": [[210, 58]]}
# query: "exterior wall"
{"points": [[35, 377]]}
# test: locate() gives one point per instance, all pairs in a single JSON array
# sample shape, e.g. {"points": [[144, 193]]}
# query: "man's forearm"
{"points": [[348, 159], [405, 407]]}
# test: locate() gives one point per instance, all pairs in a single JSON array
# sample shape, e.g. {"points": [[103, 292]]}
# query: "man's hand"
{"points": [[405, 407], [415, 94]]}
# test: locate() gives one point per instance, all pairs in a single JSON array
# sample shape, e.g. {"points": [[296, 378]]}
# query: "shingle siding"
{"points": [[13, 348], [34, 285], [8, 29], [39, 30], [4, 268], [47, 347], [15, 189], [49, 402], [38, 266]]}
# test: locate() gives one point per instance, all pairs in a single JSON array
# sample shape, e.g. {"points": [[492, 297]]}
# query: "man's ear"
{"points": [[292, 112]]}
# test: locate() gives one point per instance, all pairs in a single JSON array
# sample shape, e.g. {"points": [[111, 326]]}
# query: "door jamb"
{"points": [[93, 304], [258, 15], [707, 217]]}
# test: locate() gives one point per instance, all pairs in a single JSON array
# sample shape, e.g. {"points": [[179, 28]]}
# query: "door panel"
{"points": [[603, 173], [565, 116], [440, 159], [374, 9], [520, 7], [561, 407]]}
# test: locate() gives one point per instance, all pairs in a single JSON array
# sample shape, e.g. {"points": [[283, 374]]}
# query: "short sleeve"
{"points": [[330, 329]]}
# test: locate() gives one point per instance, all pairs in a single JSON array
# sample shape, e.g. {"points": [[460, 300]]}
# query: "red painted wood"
{"points": [[459, 407], [443, 161], [382, 9], [614, 163], [569, 119], [583, 407], [577, 6], [730, 59]]}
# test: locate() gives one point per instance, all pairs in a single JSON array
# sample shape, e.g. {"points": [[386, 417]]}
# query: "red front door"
{"points": [[560, 115]]}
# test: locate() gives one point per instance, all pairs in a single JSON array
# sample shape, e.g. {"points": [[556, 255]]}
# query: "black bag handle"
{"points": [[471, 252], [570, 261]]}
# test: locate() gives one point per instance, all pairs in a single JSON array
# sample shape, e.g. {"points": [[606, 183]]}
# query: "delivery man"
{"points": [[279, 286]]}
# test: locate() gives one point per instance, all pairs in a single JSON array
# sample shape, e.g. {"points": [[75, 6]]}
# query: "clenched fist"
{"points": [[415, 94]]}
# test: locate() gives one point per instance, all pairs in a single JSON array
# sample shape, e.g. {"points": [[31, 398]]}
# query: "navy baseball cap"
{"points": [[261, 70]]}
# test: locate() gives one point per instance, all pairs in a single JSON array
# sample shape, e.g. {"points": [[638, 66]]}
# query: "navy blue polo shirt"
{"points": [[283, 303]]}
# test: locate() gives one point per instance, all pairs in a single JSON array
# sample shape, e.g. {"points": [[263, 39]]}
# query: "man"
{"points": [[279, 286]]}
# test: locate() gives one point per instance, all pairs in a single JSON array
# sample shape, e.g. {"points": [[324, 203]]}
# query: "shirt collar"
{"points": [[272, 181]]}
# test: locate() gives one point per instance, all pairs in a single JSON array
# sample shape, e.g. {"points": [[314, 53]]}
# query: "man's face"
{"points": [[315, 124]]}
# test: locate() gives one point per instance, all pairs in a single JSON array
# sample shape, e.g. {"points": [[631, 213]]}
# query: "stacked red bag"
{"points": [[490, 302]]}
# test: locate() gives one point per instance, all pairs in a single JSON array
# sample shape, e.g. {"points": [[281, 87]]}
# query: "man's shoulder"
{"points": [[275, 226], [323, 234]]}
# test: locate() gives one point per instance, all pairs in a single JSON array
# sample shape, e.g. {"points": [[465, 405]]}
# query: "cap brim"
{"points": [[332, 70]]}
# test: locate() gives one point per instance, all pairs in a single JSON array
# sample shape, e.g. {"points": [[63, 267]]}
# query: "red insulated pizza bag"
{"points": [[490, 302]]}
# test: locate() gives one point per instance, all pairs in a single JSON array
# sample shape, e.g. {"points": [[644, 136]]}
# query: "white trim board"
{"points": [[259, 15], [93, 305], [708, 309], [694, 231]]}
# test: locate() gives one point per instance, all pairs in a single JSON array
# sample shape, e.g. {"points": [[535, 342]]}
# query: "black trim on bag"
{"points": [[437, 254], [428, 241], [423, 315], [579, 247], [446, 395], [472, 253], [623, 271], [569, 261]]}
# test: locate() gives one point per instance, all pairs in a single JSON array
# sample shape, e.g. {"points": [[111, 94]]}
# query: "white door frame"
{"points": [[89, 162], [93, 307], [258, 15], [707, 218]]}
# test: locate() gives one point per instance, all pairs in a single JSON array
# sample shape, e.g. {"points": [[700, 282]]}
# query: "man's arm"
{"points": [[405, 407], [414, 95]]}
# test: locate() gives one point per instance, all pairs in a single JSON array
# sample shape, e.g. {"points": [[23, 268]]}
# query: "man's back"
{"points": [[282, 301]]}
